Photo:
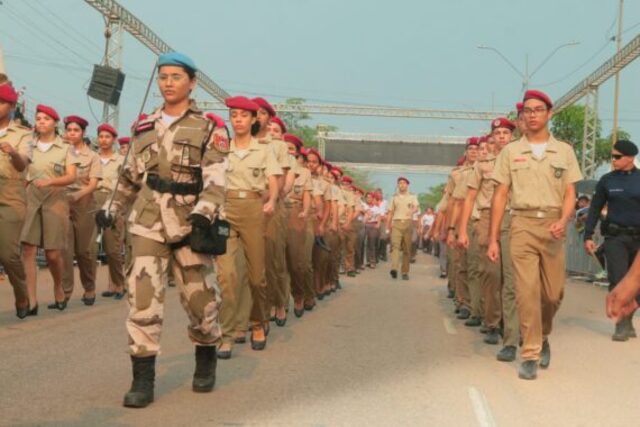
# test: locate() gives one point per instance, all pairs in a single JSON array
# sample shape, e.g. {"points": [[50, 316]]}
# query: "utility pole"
{"points": [[616, 91], [113, 34]]}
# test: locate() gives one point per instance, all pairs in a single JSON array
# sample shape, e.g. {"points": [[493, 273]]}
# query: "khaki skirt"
{"points": [[47, 220]]}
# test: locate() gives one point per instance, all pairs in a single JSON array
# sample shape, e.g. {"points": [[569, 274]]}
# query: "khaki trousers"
{"points": [[332, 238], [296, 251], [459, 265], [113, 243], [81, 240], [359, 232], [309, 293], [278, 282], [321, 261], [473, 271], [539, 271], [12, 213], [146, 281], [401, 230], [247, 229]]}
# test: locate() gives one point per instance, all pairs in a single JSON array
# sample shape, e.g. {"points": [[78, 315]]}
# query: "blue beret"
{"points": [[176, 58]]}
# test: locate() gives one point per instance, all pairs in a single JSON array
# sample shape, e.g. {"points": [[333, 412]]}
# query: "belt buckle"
{"points": [[539, 214], [242, 194]]}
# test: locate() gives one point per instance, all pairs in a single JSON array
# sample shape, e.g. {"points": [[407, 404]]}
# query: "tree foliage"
{"points": [[568, 125], [432, 198]]}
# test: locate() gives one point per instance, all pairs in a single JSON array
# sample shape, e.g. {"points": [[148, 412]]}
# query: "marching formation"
{"points": [[240, 225]]}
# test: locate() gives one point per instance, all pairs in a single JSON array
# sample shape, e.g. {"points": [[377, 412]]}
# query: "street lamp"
{"points": [[526, 75]]}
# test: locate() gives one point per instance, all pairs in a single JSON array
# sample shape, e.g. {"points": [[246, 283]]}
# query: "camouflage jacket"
{"points": [[190, 148]]}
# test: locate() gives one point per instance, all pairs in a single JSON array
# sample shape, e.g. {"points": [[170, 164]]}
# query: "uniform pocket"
{"points": [[148, 213], [187, 149]]}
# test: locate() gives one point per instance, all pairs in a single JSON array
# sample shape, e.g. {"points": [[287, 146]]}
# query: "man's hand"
{"points": [[589, 247], [6, 148], [493, 252], [302, 215], [557, 229], [463, 240], [451, 239], [621, 300], [42, 183], [268, 208]]}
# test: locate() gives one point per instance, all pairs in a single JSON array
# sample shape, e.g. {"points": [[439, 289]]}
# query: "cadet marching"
{"points": [[245, 218]]}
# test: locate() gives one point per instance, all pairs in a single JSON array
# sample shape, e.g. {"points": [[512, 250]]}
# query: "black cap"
{"points": [[626, 148]]}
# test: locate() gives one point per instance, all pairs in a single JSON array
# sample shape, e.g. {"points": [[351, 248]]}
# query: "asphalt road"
{"points": [[380, 352]]}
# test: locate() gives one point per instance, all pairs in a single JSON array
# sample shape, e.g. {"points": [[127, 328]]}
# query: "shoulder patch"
{"points": [[143, 126], [219, 140]]}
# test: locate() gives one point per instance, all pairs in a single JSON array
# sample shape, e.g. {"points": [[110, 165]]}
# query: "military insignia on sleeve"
{"points": [[146, 156], [219, 142], [143, 126]]}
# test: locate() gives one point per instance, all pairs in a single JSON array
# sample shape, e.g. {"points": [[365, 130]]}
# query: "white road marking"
{"points": [[481, 408], [449, 326]]}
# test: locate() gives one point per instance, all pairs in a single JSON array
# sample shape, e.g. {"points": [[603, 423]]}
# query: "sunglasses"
{"points": [[616, 156]]}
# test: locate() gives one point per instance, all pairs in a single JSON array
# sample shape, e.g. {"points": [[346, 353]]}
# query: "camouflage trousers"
{"points": [[146, 281]]}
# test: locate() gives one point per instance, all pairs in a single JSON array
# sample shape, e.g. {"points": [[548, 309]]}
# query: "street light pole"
{"points": [[616, 91], [526, 76]]}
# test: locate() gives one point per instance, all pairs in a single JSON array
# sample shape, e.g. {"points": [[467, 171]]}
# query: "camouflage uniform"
{"points": [[159, 224]]}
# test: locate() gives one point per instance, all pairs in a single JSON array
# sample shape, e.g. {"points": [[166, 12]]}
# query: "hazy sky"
{"points": [[403, 53]]}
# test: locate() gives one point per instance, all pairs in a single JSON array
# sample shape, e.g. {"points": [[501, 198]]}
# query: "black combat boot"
{"points": [[144, 374], [204, 377]]}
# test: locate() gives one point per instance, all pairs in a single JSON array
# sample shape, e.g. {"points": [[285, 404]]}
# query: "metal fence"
{"points": [[578, 262]]}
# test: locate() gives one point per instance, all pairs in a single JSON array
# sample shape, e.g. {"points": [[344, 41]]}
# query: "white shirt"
{"points": [[428, 220], [538, 149], [167, 119]]}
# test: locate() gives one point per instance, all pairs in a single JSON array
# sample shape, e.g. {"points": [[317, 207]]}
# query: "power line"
{"points": [[580, 67]]}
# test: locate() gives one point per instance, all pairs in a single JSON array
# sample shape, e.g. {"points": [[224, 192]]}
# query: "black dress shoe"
{"points": [[528, 370], [492, 337], [240, 340], [258, 345], [309, 307], [507, 354], [225, 355], [22, 312], [473, 322], [281, 322], [320, 296], [298, 313], [108, 294], [394, 274], [33, 311], [88, 301], [57, 305], [545, 355], [464, 313], [119, 295]]}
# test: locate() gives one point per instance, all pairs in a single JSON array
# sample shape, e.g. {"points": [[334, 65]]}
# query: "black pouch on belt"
{"points": [[211, 240]]}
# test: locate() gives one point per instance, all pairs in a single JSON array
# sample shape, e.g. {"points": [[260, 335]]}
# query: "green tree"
{"points": [[568, 125], [432, 198]]}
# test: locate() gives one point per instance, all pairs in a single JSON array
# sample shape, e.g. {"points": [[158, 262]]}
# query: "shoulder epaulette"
{"points": [[144, 126]]}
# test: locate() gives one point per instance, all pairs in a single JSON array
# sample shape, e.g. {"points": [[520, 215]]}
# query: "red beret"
{"points": [[304, 151], [334, 172], [473, 140], [263, 103], [49, 111], [402, 178], [242, 103], [519, 107], [315, 153], [289, 137], [460, 161], [536, 94], [277, 120], [8, 93], [328, 165], [483, 138], [108, 128], [219, 121], [339, 170], [77, 120], [347, 179], [502, 122], [125, 140]]}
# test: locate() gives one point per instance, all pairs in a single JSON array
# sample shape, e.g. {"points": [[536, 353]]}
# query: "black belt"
{"points": [[162, 185], [619, 230]]}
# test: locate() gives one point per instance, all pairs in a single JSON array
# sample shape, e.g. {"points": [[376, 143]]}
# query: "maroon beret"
{"points": [[403, 178], [263, 103], [315, 153], [339, 170], [49, 111], [242, 103], [347, 179], [108, 128], [536, 94], [519, 107], [219, 121], [304, 151], [473, 140], [83, 123], [483, 138], [8, 93], [289, 137], [502, 122], [461, 161], [335, 172], [125, 140], [277, 120], [328, 165]]}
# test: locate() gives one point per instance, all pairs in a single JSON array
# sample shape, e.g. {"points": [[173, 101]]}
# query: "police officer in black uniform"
{"points": [[620, 191]]}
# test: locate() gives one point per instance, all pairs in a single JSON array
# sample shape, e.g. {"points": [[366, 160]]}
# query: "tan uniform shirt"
{"points": [[20, 138], [111, 167], [403, 205], [87, 166], [481, 180], [249, 169], [537, 184], [301, 183], [460, 188], [51, 163]]}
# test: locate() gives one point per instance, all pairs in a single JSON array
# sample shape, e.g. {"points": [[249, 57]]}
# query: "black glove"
{"points": [[104, 219]]}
